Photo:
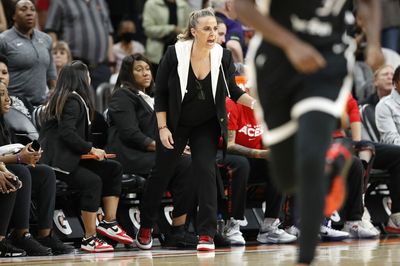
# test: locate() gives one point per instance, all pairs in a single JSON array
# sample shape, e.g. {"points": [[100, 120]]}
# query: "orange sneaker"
{"points": [[338, 162]]}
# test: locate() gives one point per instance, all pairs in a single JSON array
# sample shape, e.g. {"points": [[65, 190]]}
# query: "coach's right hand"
{"points": [[166, 138]]}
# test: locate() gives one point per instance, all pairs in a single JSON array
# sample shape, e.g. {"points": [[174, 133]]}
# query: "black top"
{"points": [[64, 141], [198, 104], [320, 23], [5, 136], [168, 90], [133, 126]]}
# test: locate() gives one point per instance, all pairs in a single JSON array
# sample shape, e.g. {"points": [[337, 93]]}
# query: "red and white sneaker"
{"points": [[114, 231], [206, 243], [93, 244], [144, 239]]}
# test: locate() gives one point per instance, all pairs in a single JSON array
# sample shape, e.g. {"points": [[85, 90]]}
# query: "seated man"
{"points": [[387, 113], [246, 159]]}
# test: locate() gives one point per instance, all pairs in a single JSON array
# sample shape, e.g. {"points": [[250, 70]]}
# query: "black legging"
{"points": [[6, 209], [239, 170], [353, 207], [298, 165], [203, 142], [94, 179], [40, 180]]}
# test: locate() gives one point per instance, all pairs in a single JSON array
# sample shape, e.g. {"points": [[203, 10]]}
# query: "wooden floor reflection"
{"points": [[365, 252]]}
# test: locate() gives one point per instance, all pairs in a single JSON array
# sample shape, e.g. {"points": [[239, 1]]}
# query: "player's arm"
{"points": [[304, 57], [370, 13], [237, 149]]}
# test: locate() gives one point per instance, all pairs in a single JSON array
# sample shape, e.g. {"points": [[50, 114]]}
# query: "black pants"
{"points": [[41, 182], [203, 141], [94, 179], [387, 157], [6, 209], [239, 170], [353, 207]]}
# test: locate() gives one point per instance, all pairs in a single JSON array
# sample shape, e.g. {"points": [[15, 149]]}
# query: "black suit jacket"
{"points": [[168, 92], [64, 141], [133, 126]]}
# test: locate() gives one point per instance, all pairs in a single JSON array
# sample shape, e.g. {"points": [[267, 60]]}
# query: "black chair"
{"points": [[377, 193]]}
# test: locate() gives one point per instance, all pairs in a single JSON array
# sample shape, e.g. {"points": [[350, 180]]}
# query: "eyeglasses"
{"points": [[200, 91]]}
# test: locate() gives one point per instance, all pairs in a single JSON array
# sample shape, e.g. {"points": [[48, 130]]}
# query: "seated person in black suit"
{"points": [[64, 139]]}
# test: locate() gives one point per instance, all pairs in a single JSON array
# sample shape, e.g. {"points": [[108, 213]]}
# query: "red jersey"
{"points": [[353, 113], [241, 119]]}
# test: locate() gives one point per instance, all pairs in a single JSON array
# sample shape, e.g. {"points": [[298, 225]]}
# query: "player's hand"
{"points": [[304, 58], [374, 57]]}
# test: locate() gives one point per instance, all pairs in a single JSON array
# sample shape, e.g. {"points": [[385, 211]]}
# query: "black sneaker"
{"points": [[8, 250], [30, 245], [221, 241], [179, 237], [56, 245]]}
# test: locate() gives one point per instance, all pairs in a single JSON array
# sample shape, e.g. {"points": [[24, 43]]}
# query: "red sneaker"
{"points": [[115, 232], [338, 162], [143, 238], [206, 243]]}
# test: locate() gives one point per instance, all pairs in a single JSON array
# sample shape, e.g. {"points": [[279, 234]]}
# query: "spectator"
{"points": [[38, 178], [244, 139], [64, 139], [387, 110], [225, 10], [163, 20], [61, 55], [86, 27], [390, 24], [42, 7], [29, 54], [128, 9], [132, 137], [3, 20], [127, 44], [8, 193], [221, 32]]}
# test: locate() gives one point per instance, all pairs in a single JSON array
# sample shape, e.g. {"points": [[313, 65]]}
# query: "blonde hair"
{"points": [[193, 21], [63, 46]]}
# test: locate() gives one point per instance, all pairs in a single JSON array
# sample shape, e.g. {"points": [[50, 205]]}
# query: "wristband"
{"points": [[162, 127], [18, 159]]}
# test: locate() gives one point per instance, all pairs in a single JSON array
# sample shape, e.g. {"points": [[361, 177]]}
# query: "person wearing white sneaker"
{"points": [[246, 159], [361, 229], [65, 138], [393, 225], [327, 233], [233, 234], [271, 233]]}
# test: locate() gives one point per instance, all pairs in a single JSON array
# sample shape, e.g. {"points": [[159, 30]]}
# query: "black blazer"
{"points": [[168, 92], [133, 126], [64, 141]]}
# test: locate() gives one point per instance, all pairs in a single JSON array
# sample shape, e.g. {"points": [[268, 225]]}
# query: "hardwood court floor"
{"points": [[384, 251]]}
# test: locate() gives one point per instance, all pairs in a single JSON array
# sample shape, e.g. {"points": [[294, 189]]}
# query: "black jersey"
{"points": [[319, 22]]}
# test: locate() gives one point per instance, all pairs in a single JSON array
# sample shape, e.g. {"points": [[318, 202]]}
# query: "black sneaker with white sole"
{"points": [[8, 250]]}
